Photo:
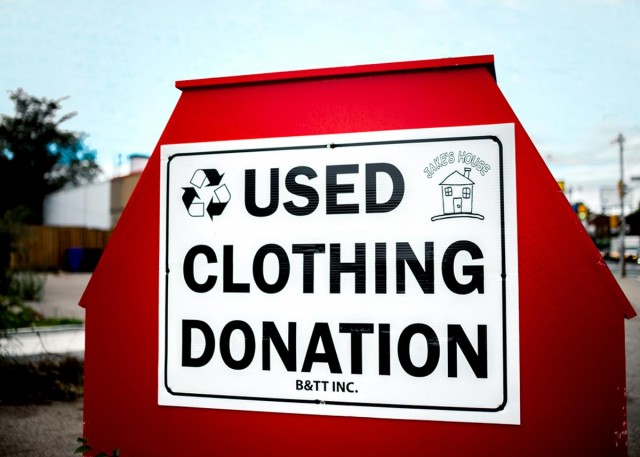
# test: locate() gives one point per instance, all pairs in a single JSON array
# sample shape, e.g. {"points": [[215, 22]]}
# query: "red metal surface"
{"points": [[571, 309], [355, 70]]}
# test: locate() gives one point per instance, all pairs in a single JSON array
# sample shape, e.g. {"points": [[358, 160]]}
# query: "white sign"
{"points": [[369, 274]]}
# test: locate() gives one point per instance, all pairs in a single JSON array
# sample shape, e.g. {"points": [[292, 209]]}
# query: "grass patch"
{"points": [[53, 321]]}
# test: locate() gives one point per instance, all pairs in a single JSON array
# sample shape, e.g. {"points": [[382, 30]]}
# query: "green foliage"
{"points": [[17, 286], [53, 321], [15, 314], [27, 285], [37, 156], [11, 230], [27, 381], [85, 447]]}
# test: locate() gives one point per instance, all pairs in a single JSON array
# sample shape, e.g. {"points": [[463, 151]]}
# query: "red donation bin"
{"points": [[366, 260]]}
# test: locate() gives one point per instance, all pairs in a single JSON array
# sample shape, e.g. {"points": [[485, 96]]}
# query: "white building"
{"points": [[96, 205]]}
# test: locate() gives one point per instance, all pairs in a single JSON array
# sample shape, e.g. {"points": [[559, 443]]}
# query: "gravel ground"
{"points": [[631, 287], [41, 430]]}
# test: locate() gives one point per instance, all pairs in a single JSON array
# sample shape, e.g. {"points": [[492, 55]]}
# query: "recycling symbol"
{"points": [[206, 187]]}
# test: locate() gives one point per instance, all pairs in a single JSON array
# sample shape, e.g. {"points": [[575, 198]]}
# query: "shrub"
{"points": [[25, 381], [14, 314], [28, 285]]}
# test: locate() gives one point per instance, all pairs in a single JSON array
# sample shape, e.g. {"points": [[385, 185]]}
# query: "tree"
{"points": [[37, 157]]}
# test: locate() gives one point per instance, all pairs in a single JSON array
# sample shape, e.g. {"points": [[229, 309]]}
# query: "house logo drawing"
{"points": [[206, 189], [457, 196]]}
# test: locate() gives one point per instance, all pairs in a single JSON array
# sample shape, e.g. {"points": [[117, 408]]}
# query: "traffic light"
{"points": [[582, 211], [614, 220], [622, 188]]}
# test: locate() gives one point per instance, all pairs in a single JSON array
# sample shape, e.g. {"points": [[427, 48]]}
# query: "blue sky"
{"points": [[569, 68]]}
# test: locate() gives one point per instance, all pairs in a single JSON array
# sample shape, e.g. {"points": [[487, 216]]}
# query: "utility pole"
{"points": [[623, 224]]}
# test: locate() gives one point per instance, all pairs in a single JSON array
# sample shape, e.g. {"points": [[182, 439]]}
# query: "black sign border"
{"points": [[498, 408]]}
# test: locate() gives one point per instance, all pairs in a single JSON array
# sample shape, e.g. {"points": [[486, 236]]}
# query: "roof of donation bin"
{"points": [[355, 70]]}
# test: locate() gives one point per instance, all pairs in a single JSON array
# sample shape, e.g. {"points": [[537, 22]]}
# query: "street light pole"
{"points": [[622, 229]]}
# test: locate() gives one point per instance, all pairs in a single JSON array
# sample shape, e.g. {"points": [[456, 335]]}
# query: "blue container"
{"points": [[73, 259]]}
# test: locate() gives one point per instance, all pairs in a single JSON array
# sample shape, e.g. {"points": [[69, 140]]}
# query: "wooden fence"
{"points": [[59, 248]]}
